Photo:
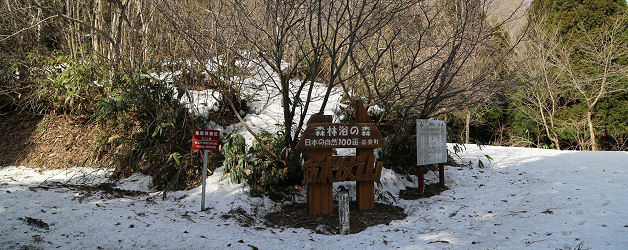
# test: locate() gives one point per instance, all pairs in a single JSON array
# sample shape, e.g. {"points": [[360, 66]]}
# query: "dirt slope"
{"points": [[47, 141]]}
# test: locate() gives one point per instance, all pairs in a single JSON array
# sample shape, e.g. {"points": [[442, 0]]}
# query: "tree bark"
{"points": [[592, 140], [546, 127], [98, 23], [466, 127]]}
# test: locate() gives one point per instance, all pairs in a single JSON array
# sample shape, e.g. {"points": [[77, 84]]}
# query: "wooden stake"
{"points": [[365, 192], [441, 174], [421, 180]]}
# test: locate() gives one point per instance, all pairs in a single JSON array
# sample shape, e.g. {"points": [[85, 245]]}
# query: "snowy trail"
{"points": [[545, 199], [523, 199]]}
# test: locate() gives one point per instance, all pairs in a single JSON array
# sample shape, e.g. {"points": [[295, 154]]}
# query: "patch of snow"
{"points": [[136, 182], [201, 102], [165, 76], [265, 104], [375, 110]]}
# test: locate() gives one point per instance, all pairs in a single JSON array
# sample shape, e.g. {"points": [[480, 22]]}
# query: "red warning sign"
{"points": [[206, 139]]}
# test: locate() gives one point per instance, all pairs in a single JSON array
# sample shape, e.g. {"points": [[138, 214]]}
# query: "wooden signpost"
{"points": [[205, 140], [322, 168], [431, 148]]}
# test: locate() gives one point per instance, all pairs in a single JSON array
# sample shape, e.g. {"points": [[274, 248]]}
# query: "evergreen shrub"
{"points": [[147, 129], [67, 85]]}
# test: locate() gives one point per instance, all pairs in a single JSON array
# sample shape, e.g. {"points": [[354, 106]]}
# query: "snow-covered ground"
{"points": [[523, 198]]}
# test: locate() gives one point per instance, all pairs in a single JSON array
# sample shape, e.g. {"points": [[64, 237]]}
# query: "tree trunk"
{"points": [[39, 26], [286, 110], [466, 127], [538, 138], [116, 34], [145, 20], [554, 138], [591, 131], [70, 34], [98, 24]]}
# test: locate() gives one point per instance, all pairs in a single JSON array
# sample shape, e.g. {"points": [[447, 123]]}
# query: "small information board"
{"points": [[206, 139], [431, 139]]}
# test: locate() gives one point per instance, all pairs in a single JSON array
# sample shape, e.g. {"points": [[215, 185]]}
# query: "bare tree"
{"points": [[415, 58], [441, 56], [541, 94], [306, 39], [592, 69]]}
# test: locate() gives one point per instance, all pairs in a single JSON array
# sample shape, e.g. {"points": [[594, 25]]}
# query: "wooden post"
{"points": [[319, 195], [441, 174], [421, 179], [319, 198], [365, 190]]}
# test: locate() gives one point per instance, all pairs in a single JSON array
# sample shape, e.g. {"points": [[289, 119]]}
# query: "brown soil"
{"points": [[430, 190], [296, 216], [46, 141], [106, 190]]}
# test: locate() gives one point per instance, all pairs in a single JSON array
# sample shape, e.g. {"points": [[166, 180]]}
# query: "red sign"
{"points": [[206, 139]]}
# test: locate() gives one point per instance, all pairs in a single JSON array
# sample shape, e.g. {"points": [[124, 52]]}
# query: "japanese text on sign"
{"points": [[431, 138], [206, 139], [340, 142], [338, 135], [341, 130]]}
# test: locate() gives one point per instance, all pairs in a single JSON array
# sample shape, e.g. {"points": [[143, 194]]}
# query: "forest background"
{"points": [[541, 73]]}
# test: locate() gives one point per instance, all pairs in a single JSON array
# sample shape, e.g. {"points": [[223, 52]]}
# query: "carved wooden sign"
{"points": [[322, 168], [341, 135], [342, 168]]}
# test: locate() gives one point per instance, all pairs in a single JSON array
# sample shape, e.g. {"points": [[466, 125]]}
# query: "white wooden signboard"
{"points": [[431, 138]]}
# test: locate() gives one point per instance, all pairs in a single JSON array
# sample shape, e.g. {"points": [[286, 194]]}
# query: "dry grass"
{"points": [[47, 141]]}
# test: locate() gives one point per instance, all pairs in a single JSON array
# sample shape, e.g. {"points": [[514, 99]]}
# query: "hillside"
{"points": [[510, 9]]}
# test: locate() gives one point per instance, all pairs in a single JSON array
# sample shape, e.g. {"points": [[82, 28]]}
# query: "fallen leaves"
{"points": [[35, 222]]}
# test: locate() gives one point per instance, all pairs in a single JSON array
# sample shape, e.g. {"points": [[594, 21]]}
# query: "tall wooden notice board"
{"points": [[431, 148]]}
